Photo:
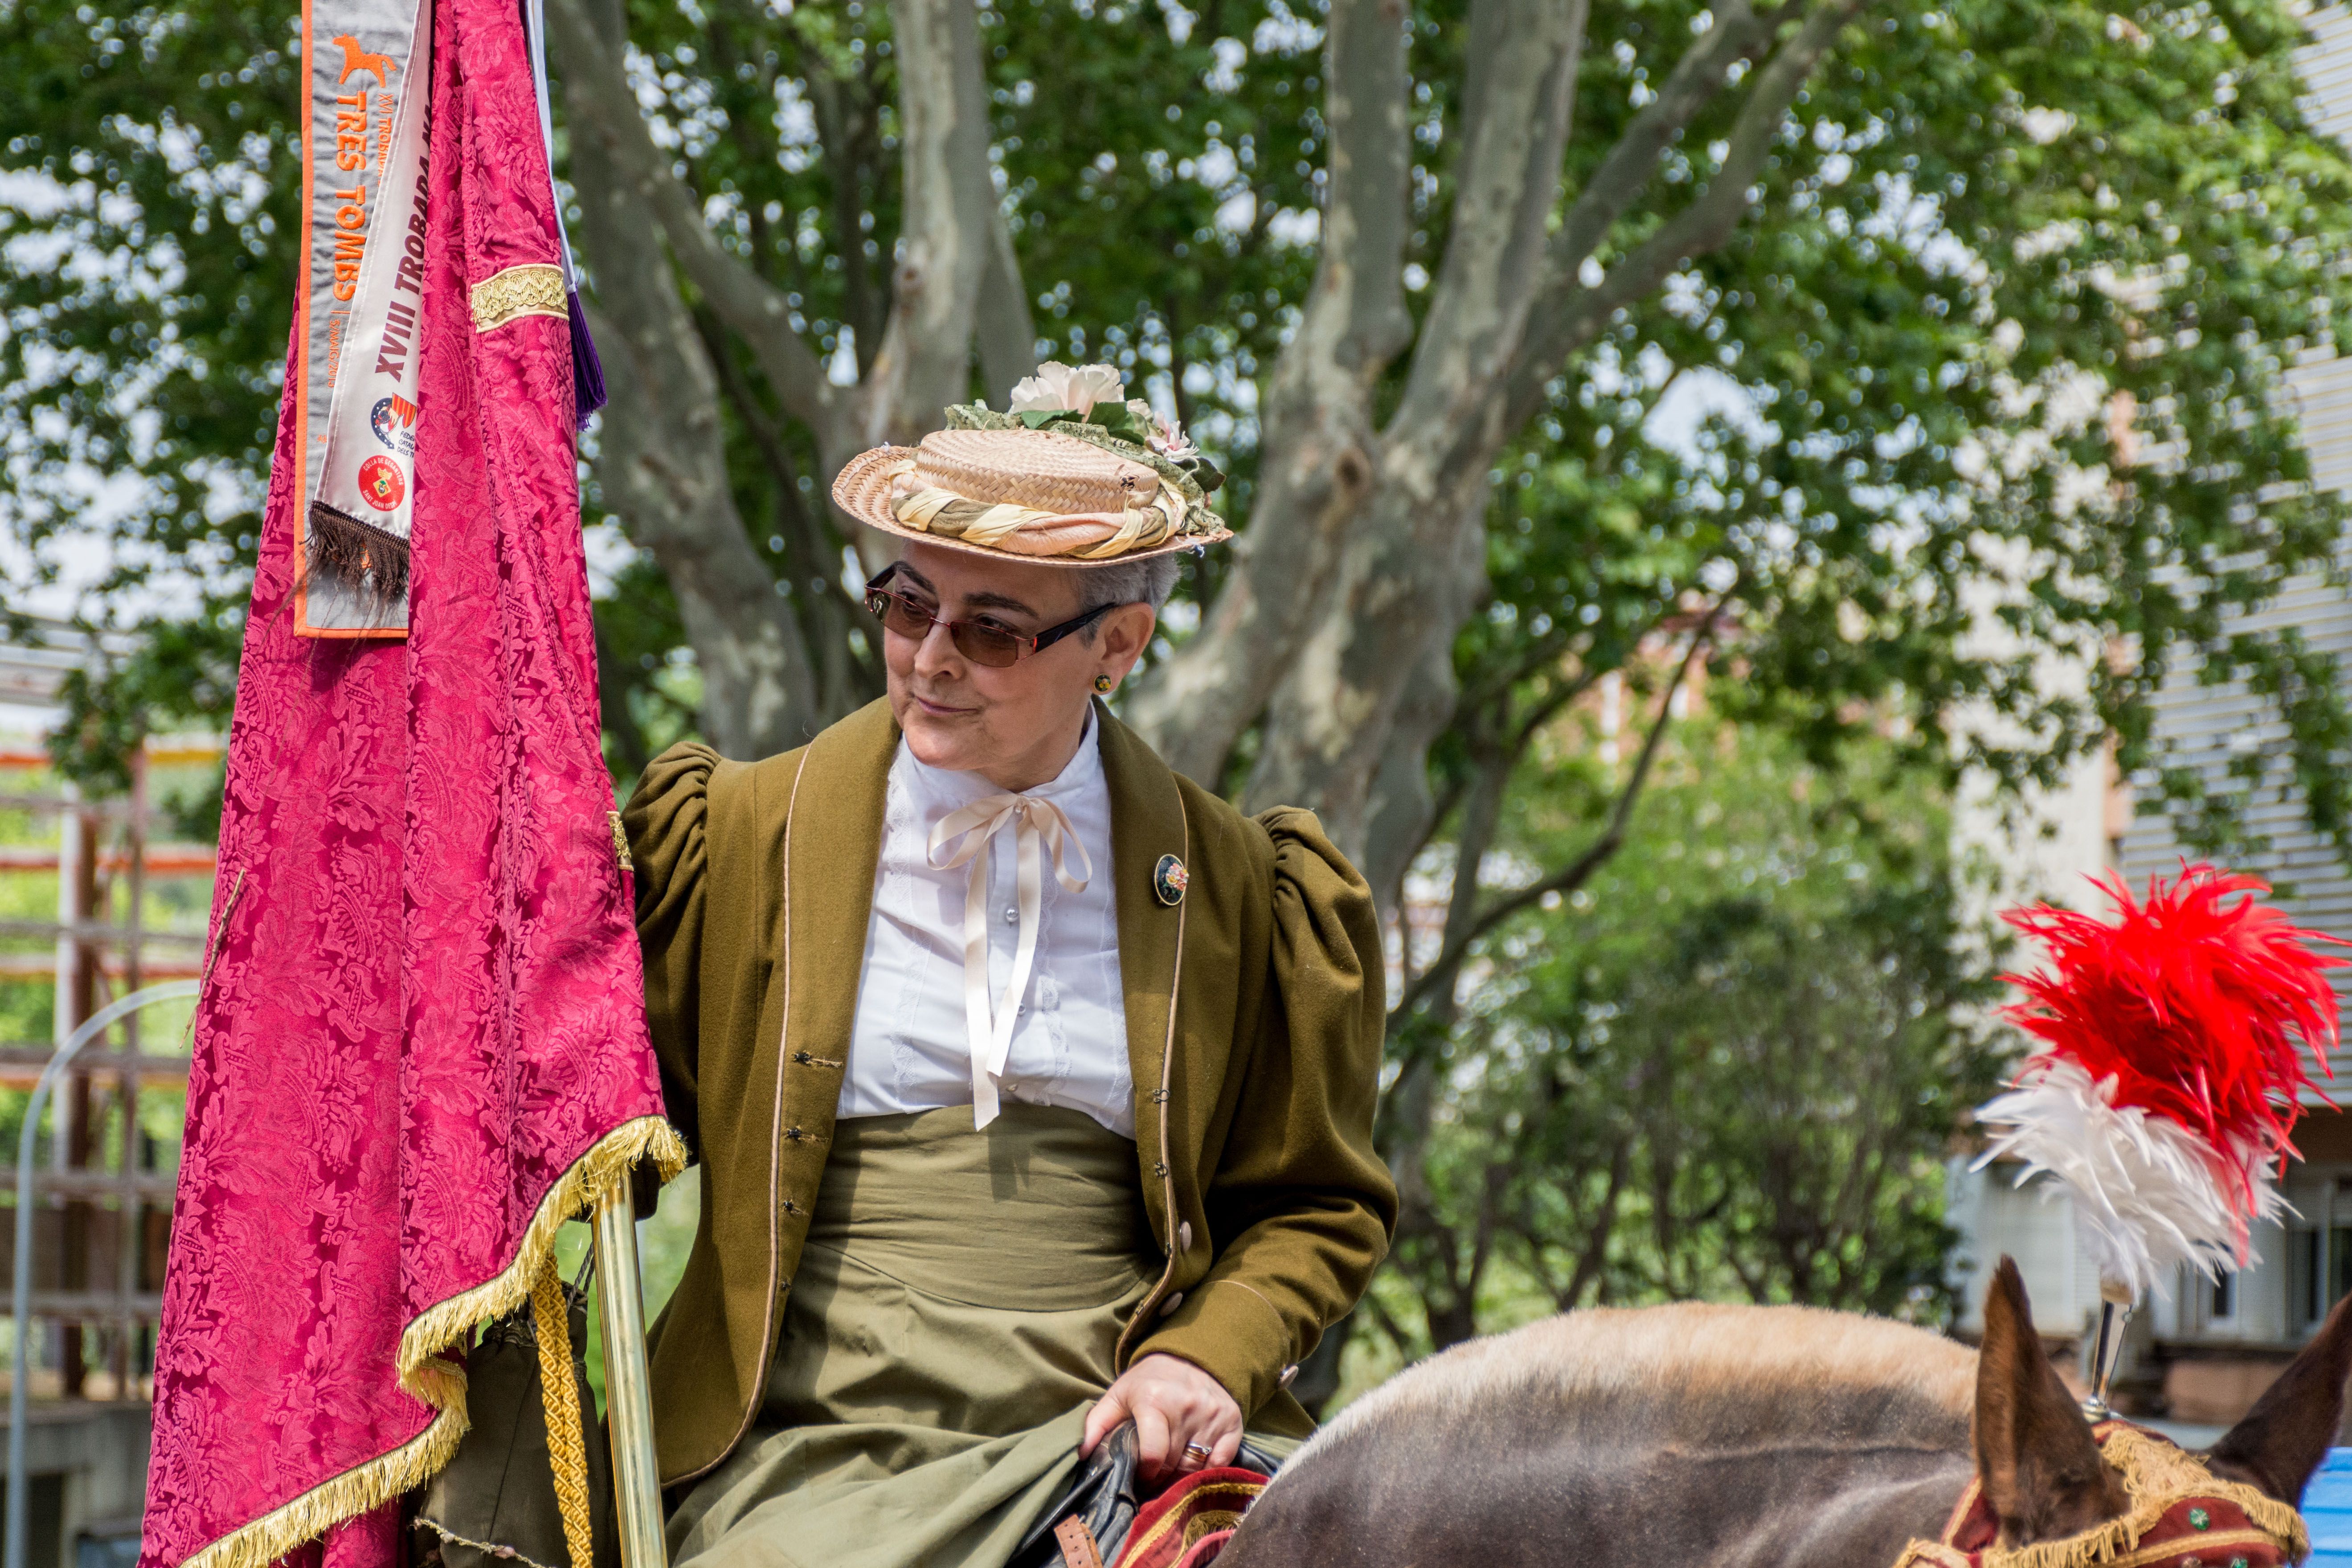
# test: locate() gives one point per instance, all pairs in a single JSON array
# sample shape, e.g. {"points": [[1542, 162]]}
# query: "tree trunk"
{"points": [[957, 281], [1328, 726], [1332, 610], [1330, 627], [1007, 333], [1320, 451], [1387, 624], [662, 468], [946, 241]]}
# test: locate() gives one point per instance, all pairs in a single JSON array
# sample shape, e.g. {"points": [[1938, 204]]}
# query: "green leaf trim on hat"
{"points": [[1108, 427]]}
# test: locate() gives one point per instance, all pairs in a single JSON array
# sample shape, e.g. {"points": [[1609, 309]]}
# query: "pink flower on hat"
{"points": [[1058, 388], [1167, 439]]}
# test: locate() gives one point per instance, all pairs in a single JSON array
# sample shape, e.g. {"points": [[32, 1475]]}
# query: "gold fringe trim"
{"points": [[2157, 1475], [441, 1383], [1933, 1554], [353, 1493], [594, 1175]]}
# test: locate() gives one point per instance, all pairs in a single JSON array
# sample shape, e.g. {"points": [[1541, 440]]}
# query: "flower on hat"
{"points": [[1167, 439], [1059, 388]]}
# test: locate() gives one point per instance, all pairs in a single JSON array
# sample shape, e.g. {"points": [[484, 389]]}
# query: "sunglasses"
{"points": [[978, 641]]}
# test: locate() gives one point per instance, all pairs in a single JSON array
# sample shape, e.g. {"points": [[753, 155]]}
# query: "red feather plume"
{"points": [[2199, 1007]]}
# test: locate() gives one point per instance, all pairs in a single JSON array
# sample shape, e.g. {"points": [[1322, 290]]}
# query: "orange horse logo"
{"points": [[356, 59]]}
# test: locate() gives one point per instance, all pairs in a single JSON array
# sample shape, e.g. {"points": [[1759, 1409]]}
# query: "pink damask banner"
{"points": [[422, 1040]]}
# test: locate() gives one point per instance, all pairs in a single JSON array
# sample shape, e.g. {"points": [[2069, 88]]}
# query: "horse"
{"points": [[356, 59], [1732, 1436]]}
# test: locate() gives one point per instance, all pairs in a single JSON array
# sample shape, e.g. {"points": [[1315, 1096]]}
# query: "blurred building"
{"points": [[2203, 1353], [89, 911]]}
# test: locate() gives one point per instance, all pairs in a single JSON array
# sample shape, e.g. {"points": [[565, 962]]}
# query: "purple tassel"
{"points": [[587, 372]]}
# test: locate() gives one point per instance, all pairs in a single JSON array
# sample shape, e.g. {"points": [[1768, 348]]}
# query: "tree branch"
{"points": [[1568, 314], [1320, 450], [812, 550], [598, 102], [1387, 1325], [1574, 874], [947, 211], [1520, 89], [845, 131], [1006, 331], [1626, 169]]}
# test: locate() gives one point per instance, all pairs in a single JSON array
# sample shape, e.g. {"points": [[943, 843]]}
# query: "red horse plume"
{"points": [[2172, 1060]]}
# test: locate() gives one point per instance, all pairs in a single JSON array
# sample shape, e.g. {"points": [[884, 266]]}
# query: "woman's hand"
{"points": [[1172, 1403]]}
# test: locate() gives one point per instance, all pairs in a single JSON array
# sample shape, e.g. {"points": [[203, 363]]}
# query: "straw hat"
{"points": [[1067, 479]]}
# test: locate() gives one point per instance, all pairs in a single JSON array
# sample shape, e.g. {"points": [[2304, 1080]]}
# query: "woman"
{"points": [[1031, 1084]]}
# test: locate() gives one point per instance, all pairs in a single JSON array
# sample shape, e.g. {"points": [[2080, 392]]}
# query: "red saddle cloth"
{"points": [[1184, 1527]]}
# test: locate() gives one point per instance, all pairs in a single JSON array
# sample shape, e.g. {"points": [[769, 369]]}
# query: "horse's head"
{"points": [[2041, 1468]]}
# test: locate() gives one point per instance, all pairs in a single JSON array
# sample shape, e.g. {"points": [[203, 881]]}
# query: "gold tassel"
{"points": [[438, 1382], [560, 1398]]}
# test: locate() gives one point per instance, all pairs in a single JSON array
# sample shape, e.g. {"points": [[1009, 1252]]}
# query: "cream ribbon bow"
{"points": [[1035, 823]]}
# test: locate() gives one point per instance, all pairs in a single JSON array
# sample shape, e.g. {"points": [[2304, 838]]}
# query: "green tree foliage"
{"points": [[1995, 341], [1982, 226], [1730, 1063], [148, 221]]}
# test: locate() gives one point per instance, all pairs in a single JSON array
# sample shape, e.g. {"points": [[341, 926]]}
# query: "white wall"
{"points": [[2034, 1225]]}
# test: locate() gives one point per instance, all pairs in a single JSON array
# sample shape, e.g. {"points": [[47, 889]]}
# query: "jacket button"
{"points": [[1184, 1236], [1289, 1375], [1171, 1304]]}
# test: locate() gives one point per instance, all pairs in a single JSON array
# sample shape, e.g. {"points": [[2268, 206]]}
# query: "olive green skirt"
{"points": [[957, 1308]]}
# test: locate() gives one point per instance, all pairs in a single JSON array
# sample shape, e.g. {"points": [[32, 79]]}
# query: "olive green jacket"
{"points": [[1254, 1026]]}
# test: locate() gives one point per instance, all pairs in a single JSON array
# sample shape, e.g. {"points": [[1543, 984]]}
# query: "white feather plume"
{"points": [[2152, 1194]]}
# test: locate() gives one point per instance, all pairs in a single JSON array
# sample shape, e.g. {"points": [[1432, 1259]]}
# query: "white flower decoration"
{"points": [[1058, 388], [1167, 439]]}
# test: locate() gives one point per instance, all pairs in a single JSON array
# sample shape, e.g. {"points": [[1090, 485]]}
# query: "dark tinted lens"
{"points": [[903, 613], [986, 645]]}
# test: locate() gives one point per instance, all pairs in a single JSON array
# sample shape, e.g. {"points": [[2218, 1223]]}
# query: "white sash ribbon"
{"points": [[1034, 823], [370, 64]]}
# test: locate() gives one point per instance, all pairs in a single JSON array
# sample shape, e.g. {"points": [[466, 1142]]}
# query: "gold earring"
{"points": [[1103, 683]]}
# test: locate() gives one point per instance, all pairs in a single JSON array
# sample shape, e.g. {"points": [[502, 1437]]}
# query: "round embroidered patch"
{"points": [[2198, 1519], [1169, 880], [380, 483]]}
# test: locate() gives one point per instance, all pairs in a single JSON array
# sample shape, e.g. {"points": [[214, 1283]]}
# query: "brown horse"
{"points": [[1700, 1437]]}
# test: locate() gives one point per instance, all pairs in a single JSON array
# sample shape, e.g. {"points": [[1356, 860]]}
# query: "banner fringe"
{"points": [[438, 1382], [362, 558]]}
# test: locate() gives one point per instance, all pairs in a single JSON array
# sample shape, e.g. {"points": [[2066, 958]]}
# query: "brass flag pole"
{"points": [[628, 1389]]}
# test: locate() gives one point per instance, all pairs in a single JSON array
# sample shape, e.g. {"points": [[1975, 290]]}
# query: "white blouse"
{"points": [[909, 1047]]}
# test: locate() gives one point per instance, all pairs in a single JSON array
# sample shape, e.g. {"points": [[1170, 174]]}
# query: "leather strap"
{"points": [[1078, 1543]]}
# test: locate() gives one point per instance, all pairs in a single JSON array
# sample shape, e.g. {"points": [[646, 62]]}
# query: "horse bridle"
{"points": [[2181, 1515]]}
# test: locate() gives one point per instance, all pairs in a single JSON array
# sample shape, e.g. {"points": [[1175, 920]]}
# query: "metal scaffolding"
{"points": [[104, 1212]]}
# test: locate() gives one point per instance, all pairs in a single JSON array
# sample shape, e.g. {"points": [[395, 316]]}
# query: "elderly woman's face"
{"points": [[1017, 724]]}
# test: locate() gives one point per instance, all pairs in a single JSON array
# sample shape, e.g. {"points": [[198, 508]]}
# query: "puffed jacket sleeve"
{"points": [[1302, 1208], [666, 820]]}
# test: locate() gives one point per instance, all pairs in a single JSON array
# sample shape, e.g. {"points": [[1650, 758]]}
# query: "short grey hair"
{"points": [[1148, 581]]}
